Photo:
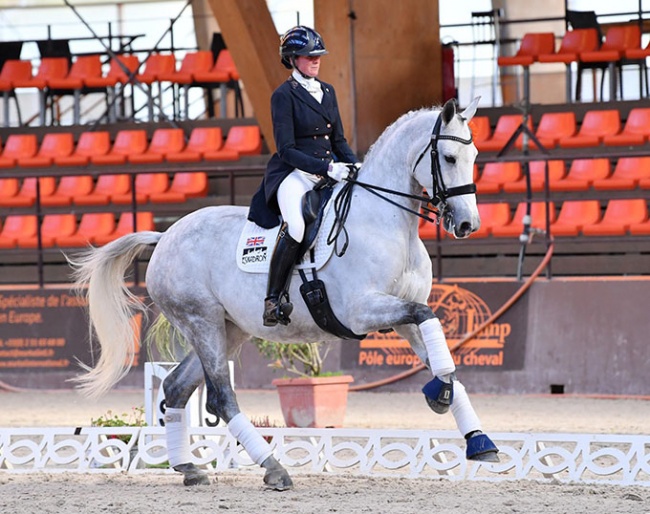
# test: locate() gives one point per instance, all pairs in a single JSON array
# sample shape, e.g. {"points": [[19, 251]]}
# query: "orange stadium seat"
{"points": [[582, 173], [496, 174], [640, 229], [555, 126], [202, 140], [69, 187], [49, 68], [626, 175], [146, 184], [481, 129], [18, 146], [492, 215], [241, 140], [8, 187], [83, 68], [618, 39], [575, 214], [155, 65], [27, 194], [13, 70], [184, 185], [635, 131], [53, 225], [144, 221], [537, 171], [573, 43], [54, 144], [127, 143], [15, 227], [619, 215], [506, 126], [163, 141], [537, 213], [91, 226], [117, 74], [89, 144], [105, 187], [595, 126]]}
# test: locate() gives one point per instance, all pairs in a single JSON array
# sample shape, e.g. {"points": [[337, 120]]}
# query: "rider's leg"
{"points": [[291, 233]]}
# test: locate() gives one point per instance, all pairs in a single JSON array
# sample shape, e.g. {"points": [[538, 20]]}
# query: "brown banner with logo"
{"points": [[462, 308]]}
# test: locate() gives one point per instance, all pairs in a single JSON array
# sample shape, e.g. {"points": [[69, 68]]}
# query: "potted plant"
{"points": [[314, 398]]}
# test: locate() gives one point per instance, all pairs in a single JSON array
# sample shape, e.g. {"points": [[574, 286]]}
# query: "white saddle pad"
{"points": [[256, 245]]}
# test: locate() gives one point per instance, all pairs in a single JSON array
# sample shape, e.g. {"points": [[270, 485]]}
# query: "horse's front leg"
{"points": [[419, 325]]}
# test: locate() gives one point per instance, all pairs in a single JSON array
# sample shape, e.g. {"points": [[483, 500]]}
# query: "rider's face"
{"points": [[308, 65]]}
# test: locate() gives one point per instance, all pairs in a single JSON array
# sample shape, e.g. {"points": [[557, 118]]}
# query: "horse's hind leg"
{"points": [[210, 339], [179, 386]]}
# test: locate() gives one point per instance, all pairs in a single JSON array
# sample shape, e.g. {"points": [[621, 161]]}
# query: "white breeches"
{"points": [[289, 195]]}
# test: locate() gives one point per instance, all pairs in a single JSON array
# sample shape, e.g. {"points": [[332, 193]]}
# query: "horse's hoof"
{"points": [[192, 475], [491, 456], [278, 480], [198, 479], [439, 395], [481, 448]]}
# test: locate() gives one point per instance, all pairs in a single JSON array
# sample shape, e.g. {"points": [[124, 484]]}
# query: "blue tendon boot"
{"points": [[439, 394], [480, 447]]}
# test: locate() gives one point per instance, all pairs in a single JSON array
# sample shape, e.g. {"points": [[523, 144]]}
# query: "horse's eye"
{"points": [[450, 159]]}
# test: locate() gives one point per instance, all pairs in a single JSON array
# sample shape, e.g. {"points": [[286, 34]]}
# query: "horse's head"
{"points": [[449, 179]]}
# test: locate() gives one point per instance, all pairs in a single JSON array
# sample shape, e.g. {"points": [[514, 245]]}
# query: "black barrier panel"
{"points": [[46, 330], [461, 309]]}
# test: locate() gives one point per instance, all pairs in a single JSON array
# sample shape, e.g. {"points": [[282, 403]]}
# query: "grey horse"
{"points": [[382, 281]]}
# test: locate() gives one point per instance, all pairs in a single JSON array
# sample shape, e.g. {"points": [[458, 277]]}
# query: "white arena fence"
{"points": [[566, 458]]}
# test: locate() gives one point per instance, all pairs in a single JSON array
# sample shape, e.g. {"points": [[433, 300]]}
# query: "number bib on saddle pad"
{"points": [[256, 244]]}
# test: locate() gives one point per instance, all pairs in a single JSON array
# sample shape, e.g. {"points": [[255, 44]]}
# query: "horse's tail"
{"points": [[111, 307]]}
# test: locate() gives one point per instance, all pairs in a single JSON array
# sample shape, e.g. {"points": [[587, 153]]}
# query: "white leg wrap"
{"points": [[466, 419], [440, 358], [178, 439], [254, 444]]}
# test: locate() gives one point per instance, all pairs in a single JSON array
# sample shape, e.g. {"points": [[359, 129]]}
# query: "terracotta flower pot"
{"points": [[317, 402]]}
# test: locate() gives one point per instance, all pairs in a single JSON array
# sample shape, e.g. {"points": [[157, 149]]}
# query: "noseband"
{"points": [[441, 192]]}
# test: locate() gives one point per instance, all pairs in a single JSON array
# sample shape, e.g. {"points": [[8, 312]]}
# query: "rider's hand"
{"points": [[338, 171], [357, 165]]}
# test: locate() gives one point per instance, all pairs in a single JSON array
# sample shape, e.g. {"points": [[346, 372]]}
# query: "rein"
{"points": [[440, 192]]}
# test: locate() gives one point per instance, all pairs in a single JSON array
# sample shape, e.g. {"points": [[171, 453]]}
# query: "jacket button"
{"points": [[329, 125], [326, 136], [315, 137], [327, 152]]}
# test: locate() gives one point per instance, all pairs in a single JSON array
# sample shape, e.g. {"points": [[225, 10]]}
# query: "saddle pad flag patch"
{"points": [[255, 247]]}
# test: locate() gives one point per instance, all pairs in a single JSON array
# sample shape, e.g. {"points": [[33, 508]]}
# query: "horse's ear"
{"points": [[470, 111], [448, 110]]}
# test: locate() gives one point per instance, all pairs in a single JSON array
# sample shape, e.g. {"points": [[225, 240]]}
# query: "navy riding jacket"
{"points": [[308, 135]]}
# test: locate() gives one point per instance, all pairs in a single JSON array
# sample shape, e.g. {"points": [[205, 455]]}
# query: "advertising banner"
{"points": [[461, 308], [46, 330]]}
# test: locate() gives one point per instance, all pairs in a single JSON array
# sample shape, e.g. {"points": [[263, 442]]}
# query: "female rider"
{"points": [[310, 145]]}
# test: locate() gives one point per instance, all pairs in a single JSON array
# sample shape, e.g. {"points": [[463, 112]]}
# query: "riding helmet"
{"points": [[300, 40]]}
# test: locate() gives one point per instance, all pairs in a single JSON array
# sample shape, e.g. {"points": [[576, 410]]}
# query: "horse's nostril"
{"points": [[465, 227]]}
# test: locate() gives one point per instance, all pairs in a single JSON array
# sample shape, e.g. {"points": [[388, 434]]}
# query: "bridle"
{"points": [[441, 193], [438, 199]]}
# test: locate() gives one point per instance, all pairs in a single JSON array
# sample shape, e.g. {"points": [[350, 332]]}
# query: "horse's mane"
{"points": [[392, 128]]}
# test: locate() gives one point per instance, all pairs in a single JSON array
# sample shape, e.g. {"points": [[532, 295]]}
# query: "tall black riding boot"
{"points": [[276, 310]]}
